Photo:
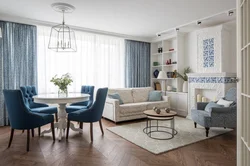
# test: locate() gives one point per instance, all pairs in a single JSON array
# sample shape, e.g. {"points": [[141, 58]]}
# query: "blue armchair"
{"points": [[28, 93], [93, 114], [216, 117], [20, 116], [85, 104]]}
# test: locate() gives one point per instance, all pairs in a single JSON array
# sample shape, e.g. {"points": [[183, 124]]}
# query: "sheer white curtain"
{"points": [[99, 61]]}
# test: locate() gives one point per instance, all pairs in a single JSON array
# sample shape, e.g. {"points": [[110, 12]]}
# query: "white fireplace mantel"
{"points": [[223, 74]]}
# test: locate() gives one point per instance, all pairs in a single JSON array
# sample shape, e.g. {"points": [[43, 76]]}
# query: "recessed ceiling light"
{"points": [[198, 23], [177, 29], [230, 13]]}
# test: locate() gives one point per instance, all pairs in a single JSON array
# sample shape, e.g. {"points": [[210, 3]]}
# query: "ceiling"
{"points": [[138, 18]]}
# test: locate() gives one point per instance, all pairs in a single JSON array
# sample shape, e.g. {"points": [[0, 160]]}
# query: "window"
{"points": [[99, 61]]}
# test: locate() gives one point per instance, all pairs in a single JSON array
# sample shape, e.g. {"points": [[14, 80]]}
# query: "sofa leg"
{"points": [[207, 131], [224, 127], [56, 115], [195, 125]]}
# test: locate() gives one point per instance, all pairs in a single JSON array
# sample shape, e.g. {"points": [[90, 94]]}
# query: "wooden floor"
{"points": [[111, 150]]}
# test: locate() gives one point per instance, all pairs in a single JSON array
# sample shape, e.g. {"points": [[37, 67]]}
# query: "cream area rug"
{"points": [[186, 135]]}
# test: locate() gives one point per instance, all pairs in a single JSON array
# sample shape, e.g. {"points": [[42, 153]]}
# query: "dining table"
{"points": [[61, 101]]}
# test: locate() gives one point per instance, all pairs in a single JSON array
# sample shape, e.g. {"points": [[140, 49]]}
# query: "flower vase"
{"points": [[63, 92], [185, 86]]}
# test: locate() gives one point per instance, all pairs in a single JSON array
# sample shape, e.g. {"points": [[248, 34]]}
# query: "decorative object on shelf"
{"points": [[157, 86], [170, 74], [174, 75], [171, 49], [154, 108], [62, 83], [174, 89], [159, 49], [198, 98], [174, 62], [62, 38], [155, 63], [169, 88], [185, 78], [167, 110], [204, 99], [168, 62], [162, 75], [156, 72]]}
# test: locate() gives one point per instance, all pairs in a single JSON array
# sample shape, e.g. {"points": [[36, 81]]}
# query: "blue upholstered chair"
{"points": [[28, 93], [93, 114], [216, 117], [85, 104], [20, 116]]}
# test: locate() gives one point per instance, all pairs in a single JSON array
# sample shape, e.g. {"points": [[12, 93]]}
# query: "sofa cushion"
{"points": [[141, 94], [158, 104], [125, 94], [132, 108], [115, 96], [154, 96], [225, 102]]}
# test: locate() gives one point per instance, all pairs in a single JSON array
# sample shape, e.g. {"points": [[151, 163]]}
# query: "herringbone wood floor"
{"points": [[111, 150]]}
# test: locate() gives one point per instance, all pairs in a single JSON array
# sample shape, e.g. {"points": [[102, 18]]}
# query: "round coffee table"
{"points": [[163, 116]]}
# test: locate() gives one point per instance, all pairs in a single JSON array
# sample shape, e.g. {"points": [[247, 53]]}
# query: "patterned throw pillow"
{"points": [[225, 102], [211, 105], [115, 96]]}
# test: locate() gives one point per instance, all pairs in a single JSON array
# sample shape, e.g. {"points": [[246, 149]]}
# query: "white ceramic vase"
{"points": [[185, 87]]}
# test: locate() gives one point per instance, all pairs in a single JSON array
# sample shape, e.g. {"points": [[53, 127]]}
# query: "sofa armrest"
{"points": [[112, 101], [111, 109], [201, 105], [166, 98]]}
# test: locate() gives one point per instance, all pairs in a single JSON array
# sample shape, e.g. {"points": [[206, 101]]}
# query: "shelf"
{"points": [[157, 66], [163, 79], [169, 65], [155, 54], [169, 52]]}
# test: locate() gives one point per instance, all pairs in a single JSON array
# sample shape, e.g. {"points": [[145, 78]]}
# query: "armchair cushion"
{"points": [[225, 102], [116, 96], [211, 105]]}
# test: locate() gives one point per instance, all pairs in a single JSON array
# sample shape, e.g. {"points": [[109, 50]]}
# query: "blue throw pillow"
{"points": [[115, 96], [211, 105], [154, 96]]}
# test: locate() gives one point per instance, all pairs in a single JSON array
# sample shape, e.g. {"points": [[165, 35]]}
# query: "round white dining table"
{"points": [[62, 101]]}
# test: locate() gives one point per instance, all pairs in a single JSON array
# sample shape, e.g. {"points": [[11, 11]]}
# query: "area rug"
{"points": [[187, 134]]}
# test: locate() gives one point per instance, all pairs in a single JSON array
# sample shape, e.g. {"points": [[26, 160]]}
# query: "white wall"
{"points": [[191, 49]]}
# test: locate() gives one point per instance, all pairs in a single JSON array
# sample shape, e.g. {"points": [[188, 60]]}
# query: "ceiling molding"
{"points": [[5, 17]]}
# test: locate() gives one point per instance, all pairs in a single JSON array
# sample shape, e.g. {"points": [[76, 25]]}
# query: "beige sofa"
{"points": [[135, 102]]}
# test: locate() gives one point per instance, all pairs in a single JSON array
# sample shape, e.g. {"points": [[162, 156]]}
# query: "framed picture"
{"points": [[157, 86]]}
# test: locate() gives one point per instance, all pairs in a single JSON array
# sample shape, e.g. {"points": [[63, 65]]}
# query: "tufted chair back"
{"points": [[28, 93]]}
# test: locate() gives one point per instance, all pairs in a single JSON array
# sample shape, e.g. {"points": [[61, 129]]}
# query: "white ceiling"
{"points": [[138, 18]]}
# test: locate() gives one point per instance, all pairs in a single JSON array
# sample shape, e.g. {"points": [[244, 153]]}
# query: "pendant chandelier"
{"points": [[62, 38]]}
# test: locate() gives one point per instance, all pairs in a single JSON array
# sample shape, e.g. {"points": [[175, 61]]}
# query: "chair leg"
{"points": [[207, 131], [11, 137], [91, 131], [100, 123], [53, 130], [28, 140], [56, 115], [195, 125], [80, 125], [67, 134], [32, 132], [39, 131]]}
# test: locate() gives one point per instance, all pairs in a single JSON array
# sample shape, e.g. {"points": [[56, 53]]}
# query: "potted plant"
{"points": [[185, 78], [62, 83]]}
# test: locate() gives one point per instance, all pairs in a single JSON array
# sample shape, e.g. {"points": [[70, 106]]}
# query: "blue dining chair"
{"points": [[28, 93], [20, 116], [93, 114], [85, 104]]}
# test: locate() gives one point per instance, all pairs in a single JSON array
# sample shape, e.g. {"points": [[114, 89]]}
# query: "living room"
{"points": [[124, 82]]}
